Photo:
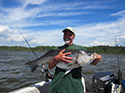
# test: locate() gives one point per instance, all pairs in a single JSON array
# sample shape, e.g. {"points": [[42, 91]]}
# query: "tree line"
{"points": [[108, 49], [98, 49], [21, 48]]}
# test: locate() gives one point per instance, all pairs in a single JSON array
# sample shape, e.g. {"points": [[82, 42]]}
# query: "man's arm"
{"points": [[60, 57]]}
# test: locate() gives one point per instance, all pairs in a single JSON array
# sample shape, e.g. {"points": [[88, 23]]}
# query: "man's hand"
{"points": [[97, 59], [63, 57], [60, 57]]}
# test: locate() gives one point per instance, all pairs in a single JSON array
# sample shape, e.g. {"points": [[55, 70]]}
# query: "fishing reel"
{"points": [[48, 74]]}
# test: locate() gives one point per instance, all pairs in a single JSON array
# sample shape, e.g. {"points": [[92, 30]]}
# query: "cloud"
{"points": [[120, 13], [9, 36], [101, 33], [22, 15], [60, 14], [4, 31], [86, 35], [95, 43], [48, 13], [49, 37], [38, 2]]}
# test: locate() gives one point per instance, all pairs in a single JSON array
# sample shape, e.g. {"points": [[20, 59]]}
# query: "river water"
{"points": [[14, 74]]}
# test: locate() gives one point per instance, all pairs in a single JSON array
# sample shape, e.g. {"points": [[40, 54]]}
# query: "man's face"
{"points": [[68, 37]]}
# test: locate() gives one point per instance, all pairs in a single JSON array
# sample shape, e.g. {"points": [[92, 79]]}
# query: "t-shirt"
{"points": [[67, 83]]}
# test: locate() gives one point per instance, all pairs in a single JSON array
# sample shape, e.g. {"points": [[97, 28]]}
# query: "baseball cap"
{"points": [[69, 29]]}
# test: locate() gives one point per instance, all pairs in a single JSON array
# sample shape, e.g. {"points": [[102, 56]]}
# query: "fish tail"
{"points": [[32, 66]]}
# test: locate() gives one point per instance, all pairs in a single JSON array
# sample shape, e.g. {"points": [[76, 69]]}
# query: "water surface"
{"points": [[14, 74]]}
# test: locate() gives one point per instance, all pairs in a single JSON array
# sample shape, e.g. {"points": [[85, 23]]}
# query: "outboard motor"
{"points": [[100, 80]]}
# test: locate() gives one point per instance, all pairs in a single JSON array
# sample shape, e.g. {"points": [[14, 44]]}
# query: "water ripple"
{"points": [[14, 74]]}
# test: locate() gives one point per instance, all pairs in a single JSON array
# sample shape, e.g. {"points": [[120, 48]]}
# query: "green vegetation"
{"points": [[108, 49], [97, 49], [20, 48]]}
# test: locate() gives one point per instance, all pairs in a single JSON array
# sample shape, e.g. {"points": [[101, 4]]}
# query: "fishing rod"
{"points": [[27, 42], [119, 72], [48, 75]]}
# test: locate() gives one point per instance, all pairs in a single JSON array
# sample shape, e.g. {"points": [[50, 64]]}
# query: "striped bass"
{"points": [[80, 58]]}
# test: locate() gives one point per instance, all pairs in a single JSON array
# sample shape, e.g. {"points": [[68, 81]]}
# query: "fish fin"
{"points": [[32, 66]]}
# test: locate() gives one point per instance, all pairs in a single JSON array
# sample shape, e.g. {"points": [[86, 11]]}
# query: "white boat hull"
{"points": [[41, 87]]}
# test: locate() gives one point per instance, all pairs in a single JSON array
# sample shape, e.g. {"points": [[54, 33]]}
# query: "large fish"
{"points": [[80, 58]]}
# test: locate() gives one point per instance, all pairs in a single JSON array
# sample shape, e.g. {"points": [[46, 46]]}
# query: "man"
{"points": [[71, 82]]}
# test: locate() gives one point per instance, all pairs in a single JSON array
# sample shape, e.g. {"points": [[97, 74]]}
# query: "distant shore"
{"points": [[97, 49]]}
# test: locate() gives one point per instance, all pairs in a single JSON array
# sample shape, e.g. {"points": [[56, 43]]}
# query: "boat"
{"points": [[102, 82]]}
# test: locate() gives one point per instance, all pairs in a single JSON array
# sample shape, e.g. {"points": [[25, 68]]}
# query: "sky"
{"points": [[96, 22]]}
